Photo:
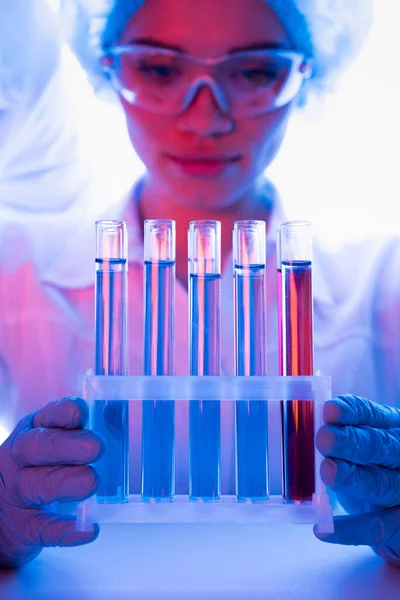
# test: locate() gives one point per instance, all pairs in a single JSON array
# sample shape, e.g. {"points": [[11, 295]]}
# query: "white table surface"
{"points": [[204, 561]]}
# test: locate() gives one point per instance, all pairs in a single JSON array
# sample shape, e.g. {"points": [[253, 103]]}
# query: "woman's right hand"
{"points": [[45, 459], [361, 443]]}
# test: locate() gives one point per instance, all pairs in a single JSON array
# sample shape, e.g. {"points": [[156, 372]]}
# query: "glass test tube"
{"points": [[111, 419], [158, 417], [204, 245], [249, 255], [280, 358], [279, 297], [297, 358]]}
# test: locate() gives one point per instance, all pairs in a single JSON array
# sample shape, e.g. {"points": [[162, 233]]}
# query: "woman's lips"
{"points": [[203, 166]]}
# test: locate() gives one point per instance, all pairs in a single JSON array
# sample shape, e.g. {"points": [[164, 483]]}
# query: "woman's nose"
{"points": [[204, 116]]}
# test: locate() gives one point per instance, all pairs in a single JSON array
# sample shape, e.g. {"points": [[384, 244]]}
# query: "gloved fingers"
{"points": [[367, 529], [40, 447], [372, 484], [48, 529], [355, 410], [361, 445], [67, 413], [37, 486], [24, 424]]}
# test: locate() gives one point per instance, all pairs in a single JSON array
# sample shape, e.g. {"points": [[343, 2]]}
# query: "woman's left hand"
{"points": [[361, 443]]}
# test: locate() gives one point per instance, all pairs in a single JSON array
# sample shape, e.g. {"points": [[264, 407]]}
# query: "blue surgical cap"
{"points": [[329, 31]]}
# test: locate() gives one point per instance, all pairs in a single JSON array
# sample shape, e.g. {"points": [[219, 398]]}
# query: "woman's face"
{"points": [[204, 157]]}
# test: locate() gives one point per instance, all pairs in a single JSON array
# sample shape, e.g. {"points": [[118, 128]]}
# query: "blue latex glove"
{"points": [[361, 441], [44, 460]]}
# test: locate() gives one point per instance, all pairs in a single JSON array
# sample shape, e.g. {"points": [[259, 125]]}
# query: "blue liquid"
{"points": [[110, 419], [204, 416], [158, 417], [251, 416]]}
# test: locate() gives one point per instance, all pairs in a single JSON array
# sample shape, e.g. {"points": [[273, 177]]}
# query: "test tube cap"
{"points": [[204, 247], [249, 243], [111, 240], [159, 240], [296, 241]]}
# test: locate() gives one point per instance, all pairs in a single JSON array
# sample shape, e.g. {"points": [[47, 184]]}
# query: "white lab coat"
{"points": [[47, 324]]}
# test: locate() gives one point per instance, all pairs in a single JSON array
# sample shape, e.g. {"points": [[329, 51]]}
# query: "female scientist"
{"points": [[205, 150]]}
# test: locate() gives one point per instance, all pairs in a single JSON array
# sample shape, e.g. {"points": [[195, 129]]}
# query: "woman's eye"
{"points": [[160, 73], [259, 76]]}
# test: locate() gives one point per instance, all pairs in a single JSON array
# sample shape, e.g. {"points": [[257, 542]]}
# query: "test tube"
{"points": [[279, 297], [111, 418], [158, 417], [279, 316], [297, 358], [204, 245], [249, 254]]}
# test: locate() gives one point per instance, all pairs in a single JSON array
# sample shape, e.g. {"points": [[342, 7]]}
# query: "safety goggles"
{"points": [[244, 84]]}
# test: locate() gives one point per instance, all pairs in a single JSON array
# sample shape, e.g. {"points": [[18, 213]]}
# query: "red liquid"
{"points": [[279, 295], [280, 358], [297, 355]]}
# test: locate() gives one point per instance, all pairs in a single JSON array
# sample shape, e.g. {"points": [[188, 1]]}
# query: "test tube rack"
{"points": [[316, 389]]}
